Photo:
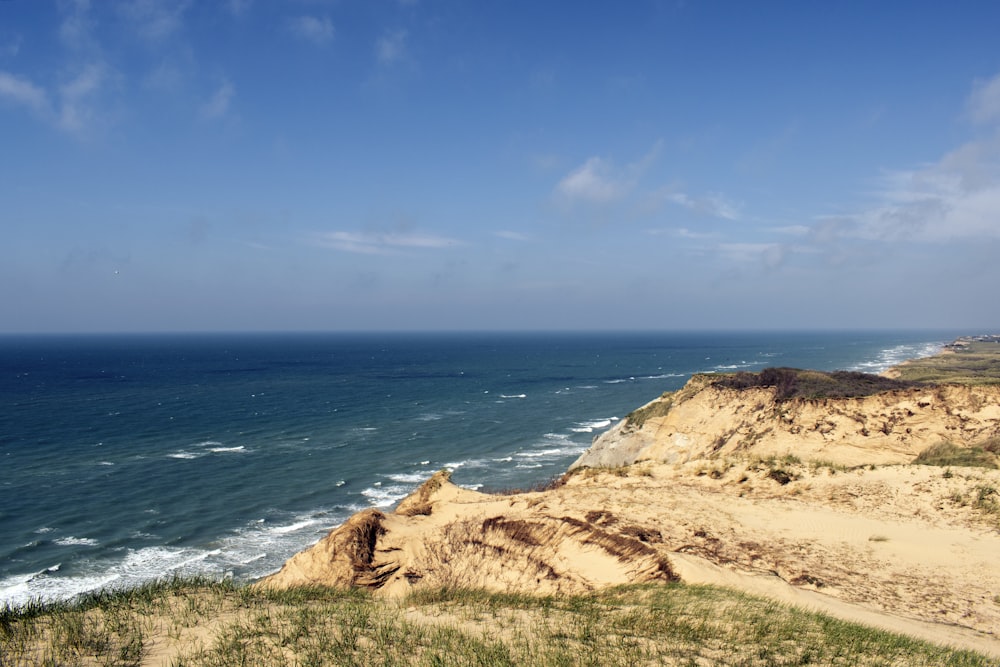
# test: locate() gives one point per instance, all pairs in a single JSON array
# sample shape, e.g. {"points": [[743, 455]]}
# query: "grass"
{"points": [[946, 454], [975, 363], [658, 408], [206, 624]]}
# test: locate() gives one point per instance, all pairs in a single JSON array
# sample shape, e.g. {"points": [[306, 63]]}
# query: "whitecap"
{"points": [[513, 396], [408, 477], [223, 450], [185, 455], [293, 527], [589, 426], [469, 463], [384, 496], [105, 463], [76, 542], [893, 356]]}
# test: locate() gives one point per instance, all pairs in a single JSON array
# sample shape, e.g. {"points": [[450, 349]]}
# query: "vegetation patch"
{"points": [[651, 624], [946, 454], [658, 408], [972, 362], [792, 383]]}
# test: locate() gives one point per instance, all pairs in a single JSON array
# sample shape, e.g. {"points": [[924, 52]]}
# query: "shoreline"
{"points": [[888, 544]]}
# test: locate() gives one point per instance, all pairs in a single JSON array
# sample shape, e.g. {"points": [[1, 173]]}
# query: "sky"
{"points": [[355, 165]]}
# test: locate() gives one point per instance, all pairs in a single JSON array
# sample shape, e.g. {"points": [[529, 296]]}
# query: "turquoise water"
{"points": [[128, 458]]}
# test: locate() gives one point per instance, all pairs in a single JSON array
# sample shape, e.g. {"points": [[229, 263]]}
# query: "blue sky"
{"points": [[447, 164]]}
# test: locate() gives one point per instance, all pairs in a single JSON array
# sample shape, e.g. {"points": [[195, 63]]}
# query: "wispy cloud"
{"points": [[155, 20], [391, 47], [313, 29], [75, 28], [593, 182], [956, 198], [511, 236], [239, 7], [984, 102], [712, 204], [77, 98], [217, 105], [599, 182], [382, 243], [23, 92], [74, 109]]}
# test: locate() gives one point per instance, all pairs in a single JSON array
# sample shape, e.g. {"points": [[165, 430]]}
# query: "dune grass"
{"points": [[973, 363], [202, 624], [947, 454]]}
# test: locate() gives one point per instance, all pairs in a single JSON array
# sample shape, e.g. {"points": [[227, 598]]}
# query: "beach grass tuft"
{"points": [[947, 454]]}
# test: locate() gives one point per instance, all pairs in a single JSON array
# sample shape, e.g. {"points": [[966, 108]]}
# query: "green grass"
{"points": [[657, 408], [976, 363], [946, 454], [634, 625]]}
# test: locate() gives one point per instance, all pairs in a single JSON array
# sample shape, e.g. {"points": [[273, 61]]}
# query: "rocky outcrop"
{"points": [[708, 420]]}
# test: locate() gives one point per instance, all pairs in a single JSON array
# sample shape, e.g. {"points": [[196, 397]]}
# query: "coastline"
{"points": [[874, 540], [888, 544]]}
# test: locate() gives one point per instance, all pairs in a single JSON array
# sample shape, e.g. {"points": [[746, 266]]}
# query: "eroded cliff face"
{"points": [[705, 420], [443, 535]]}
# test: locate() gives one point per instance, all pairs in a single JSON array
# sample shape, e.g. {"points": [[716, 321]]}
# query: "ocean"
{"points": [[125, 459]]}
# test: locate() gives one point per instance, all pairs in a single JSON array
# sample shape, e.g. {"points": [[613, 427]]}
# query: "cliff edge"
{"points": [[712, 417]]}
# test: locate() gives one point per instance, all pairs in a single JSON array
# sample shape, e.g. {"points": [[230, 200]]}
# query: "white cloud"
{"points": [[23, 92], [956, 198], [511, 236], [712, 204], [75, 27], [391, 47], [155, 20], [218, 105], [76, 111], [984, 102], [592, 182], [382, 243], [598, 182], [312, 29]]}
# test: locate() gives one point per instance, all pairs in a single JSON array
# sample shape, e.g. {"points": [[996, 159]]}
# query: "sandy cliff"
{"points": [[810, 501], [705, 420]]}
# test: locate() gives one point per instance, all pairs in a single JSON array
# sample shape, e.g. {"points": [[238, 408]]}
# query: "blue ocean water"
{"points": [[130, 458]]}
